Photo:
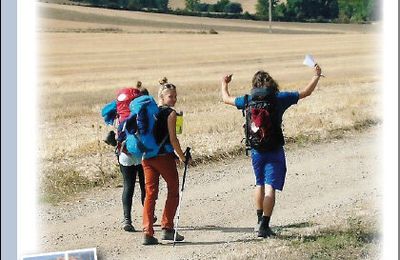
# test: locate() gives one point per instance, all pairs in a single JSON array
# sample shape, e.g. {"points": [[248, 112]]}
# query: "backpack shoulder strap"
{"points": [[246, 103], [246, 126], [163, 141], [165, 111]]}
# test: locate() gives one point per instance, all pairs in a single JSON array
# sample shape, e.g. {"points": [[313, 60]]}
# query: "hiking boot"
{"points": [[127, 226], [168, 234], [265, 232], [149, 240]]}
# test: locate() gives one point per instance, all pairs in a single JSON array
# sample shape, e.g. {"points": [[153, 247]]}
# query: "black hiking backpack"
{"points": [[262, 127]]}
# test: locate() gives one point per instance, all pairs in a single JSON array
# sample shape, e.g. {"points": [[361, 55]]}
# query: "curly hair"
{"points": [[263, 80]]}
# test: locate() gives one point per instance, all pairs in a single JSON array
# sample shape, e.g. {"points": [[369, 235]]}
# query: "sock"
{"points": [[259, 214], [265, 220]]}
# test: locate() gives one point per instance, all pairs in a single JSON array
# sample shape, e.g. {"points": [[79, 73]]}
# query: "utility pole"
{"points": [[270, 16]]}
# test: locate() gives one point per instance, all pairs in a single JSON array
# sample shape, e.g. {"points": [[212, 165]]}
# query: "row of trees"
{"points": [[222, 6], [290, 10], [161, 5], [321, 10], [360, 10]]}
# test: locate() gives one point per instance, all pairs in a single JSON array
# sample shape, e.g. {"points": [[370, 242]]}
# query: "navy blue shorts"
{"points": [[269, 168]]}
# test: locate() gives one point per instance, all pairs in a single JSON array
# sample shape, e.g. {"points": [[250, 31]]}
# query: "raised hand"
{"points": [[317, 70], [227, 78]]}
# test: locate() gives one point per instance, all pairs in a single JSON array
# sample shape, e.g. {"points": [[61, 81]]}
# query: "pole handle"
{"points": [[187, 157]]}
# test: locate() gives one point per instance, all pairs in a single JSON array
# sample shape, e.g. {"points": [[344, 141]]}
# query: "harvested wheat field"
{"points": [[86, 54]]}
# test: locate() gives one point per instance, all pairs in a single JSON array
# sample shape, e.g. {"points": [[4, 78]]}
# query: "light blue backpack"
{"points": [[139, 128]]}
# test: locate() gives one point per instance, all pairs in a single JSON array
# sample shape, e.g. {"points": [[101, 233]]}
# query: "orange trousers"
{"points": [[165, 166]]}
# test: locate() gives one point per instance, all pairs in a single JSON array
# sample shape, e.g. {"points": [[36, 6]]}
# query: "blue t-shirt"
{"points": [[270, 166], [283, 101]]}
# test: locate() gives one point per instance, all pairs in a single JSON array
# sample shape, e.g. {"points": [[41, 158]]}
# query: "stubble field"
{"points": [[86, 54], [328, 209]]}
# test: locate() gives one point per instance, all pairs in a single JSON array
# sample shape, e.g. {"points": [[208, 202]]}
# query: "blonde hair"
{"points": [[164, 85], [163, 81]]}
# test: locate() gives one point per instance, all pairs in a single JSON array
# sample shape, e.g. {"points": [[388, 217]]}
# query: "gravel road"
{"points": [[326, 183]]}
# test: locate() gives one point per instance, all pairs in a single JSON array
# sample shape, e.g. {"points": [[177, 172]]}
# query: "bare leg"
{"points": [[259, 197], [269, 200], [259, 200], [269, 203]]}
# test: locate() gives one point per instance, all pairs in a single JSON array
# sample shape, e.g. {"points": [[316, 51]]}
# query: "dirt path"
{"points": [[326, 183]]}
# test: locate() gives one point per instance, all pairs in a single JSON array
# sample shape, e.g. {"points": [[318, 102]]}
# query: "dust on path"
{"points": [[326, 183]]}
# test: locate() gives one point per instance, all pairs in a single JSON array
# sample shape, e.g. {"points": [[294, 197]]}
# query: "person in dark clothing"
{"points": [[131, 169], [129, 174]]}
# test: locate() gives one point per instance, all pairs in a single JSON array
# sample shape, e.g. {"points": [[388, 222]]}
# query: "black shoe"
{"points": [[127, 226], [149, 240], [154, 219], [168, 234], [265, 232]]}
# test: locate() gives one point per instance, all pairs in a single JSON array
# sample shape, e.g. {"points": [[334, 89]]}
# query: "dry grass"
{"points": [[354, 234], [80, 72], [356, 239]]}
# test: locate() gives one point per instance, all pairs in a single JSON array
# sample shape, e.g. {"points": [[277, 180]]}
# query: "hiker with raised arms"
{"points": [[264, 109], [163, 164]]}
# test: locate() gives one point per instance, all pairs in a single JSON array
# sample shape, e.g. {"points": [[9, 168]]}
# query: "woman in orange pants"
{"points": [[163, 165]]}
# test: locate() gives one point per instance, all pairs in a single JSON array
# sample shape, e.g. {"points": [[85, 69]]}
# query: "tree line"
{"points": [[222, 6], [160, 5], [341, 11]]}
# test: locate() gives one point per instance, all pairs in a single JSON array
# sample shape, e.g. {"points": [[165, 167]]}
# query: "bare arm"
{"points": [[313, 83], [226, 97], [172, 136]]}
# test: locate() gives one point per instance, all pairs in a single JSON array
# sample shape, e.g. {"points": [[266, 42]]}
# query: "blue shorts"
{"points": [[269, 168]]}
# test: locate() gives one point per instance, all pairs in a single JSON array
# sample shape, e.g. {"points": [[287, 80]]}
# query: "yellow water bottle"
{"points": [[179, 122]]}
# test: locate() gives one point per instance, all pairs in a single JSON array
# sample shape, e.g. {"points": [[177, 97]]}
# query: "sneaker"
{"points": [[266, 232], [149, 240], [168, 234], [127, 226]]}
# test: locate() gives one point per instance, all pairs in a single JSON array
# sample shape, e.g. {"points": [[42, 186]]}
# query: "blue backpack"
{"points": [[109, 112], [139, 129]]}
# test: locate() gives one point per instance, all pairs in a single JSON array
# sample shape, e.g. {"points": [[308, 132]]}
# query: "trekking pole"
{"points": [[187, 158]]}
